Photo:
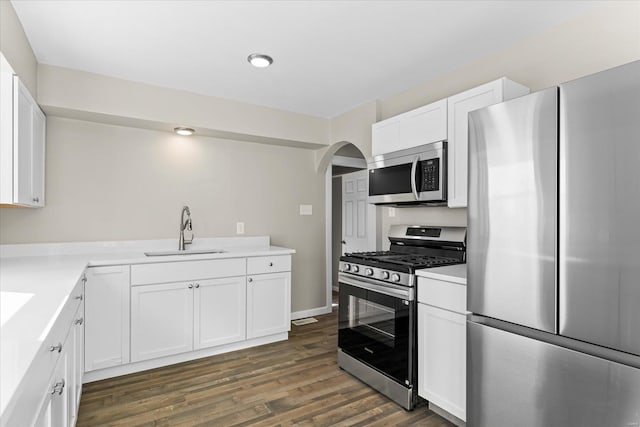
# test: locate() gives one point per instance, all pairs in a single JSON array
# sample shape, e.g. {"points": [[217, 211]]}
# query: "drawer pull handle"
{"points": [[56, 347], [250, 280], [270, 264], [190, 285], [36, 199], [79, 297], [197, 285], [58, 387], [78, 321]]}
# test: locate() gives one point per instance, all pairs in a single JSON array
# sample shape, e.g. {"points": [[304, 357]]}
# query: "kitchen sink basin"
{"points": [[185, 252]]}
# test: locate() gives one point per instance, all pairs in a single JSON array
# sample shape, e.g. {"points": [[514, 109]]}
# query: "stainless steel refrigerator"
{"points": [[553, 256]]}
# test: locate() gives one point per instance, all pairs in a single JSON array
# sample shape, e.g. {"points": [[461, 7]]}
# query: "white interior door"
{"points": [[358, 216]]}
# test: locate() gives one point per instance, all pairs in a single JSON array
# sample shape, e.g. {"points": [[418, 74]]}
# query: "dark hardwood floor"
{"points": [[294, 382]]}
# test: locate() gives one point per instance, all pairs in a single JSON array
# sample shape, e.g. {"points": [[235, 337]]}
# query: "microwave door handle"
{"points": [[414, 168]]}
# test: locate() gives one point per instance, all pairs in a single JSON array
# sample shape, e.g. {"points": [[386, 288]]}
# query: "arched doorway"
{"points": [[350, 220]]}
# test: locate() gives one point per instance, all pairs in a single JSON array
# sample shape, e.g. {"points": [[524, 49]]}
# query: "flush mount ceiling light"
{"points": [[184, 131], [259, 60]]}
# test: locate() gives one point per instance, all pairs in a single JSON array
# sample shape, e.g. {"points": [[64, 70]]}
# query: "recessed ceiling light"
{"points": [[184, 131], [259, 60]]}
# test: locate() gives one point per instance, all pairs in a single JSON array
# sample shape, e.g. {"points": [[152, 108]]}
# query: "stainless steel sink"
{"points": [[185, 252]]}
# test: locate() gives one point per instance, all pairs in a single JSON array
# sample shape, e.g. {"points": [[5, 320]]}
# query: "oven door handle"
{"points": [[414, 169], [387, 289]]}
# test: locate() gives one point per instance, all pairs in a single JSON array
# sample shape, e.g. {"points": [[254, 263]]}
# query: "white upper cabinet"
{"points": [[411, 129], [459, 107], [22, 142]]}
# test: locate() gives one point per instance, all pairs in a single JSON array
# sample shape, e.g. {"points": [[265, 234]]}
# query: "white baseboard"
{"points": [[144, 365], [311, 312]]}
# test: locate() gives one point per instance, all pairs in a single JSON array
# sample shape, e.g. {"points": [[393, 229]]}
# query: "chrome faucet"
{"points": [[185, 224]]}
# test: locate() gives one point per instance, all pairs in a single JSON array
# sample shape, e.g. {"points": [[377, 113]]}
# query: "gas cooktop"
{"points": [[415, 261], [412, 248]]}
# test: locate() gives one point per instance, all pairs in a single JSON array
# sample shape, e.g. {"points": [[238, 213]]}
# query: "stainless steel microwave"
{"points": [[416, 175]]}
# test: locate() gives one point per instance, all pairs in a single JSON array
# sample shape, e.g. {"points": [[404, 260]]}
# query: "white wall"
{"points": [[109, 182]]}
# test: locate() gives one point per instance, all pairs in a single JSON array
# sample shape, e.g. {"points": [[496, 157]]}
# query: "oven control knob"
{"points": [[347, 267], [395, 277], [355, 269], [368, 272], [385, 275]]}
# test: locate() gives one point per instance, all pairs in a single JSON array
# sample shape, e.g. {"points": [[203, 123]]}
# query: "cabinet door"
{"points": [[76, 363], [107, 317], [268, 304], [411, 129], [37, 157], [23, 144], [161, 320], [459, 107], [54, 408], [385, 136], [442, 350], [219, 311], [424, 125]]}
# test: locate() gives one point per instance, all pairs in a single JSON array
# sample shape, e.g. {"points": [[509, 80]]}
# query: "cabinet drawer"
{"points": [[268, 264], [34, 386], [184, 271], [443, 294]]}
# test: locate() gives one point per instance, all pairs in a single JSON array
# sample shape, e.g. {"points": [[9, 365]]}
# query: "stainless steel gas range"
{"points": [[377, 341]]}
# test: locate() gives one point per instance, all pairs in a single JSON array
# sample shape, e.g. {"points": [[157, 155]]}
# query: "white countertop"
{"points": [[450, 273], [36, 281]]}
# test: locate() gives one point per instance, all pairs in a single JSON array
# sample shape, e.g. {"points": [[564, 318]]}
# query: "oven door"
{"points": [[414, 175], [376, 327]]}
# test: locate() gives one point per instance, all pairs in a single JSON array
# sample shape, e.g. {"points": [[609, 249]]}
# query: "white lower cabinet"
{"points": [[219, 312], [107, 294], [442, 358], [54, 411], [268, 304], [161, 320], [165, 310], [76, 363], [174, 318], [60, 398], [442, 343]]}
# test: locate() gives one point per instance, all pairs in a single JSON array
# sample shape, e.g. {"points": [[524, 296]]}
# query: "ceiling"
{"points": [[329, 56]]}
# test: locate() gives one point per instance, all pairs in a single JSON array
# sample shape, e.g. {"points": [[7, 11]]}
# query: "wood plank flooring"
{"points": [[294, 382]]}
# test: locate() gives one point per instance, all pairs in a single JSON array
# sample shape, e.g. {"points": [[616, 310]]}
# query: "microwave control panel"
{"points": [[430, 175]]}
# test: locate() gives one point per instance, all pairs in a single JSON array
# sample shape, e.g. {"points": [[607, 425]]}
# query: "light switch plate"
{"points": [[306, 210], [239, 227]]}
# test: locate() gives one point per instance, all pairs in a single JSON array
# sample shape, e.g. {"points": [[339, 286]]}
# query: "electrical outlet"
{"points": [[239, 227], [392, 212], [306, 210]]}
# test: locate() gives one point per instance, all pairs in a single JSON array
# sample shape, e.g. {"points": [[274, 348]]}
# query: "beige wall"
{"points": [[117, 183], [16, 48], [94, 97], [606, 37]]}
